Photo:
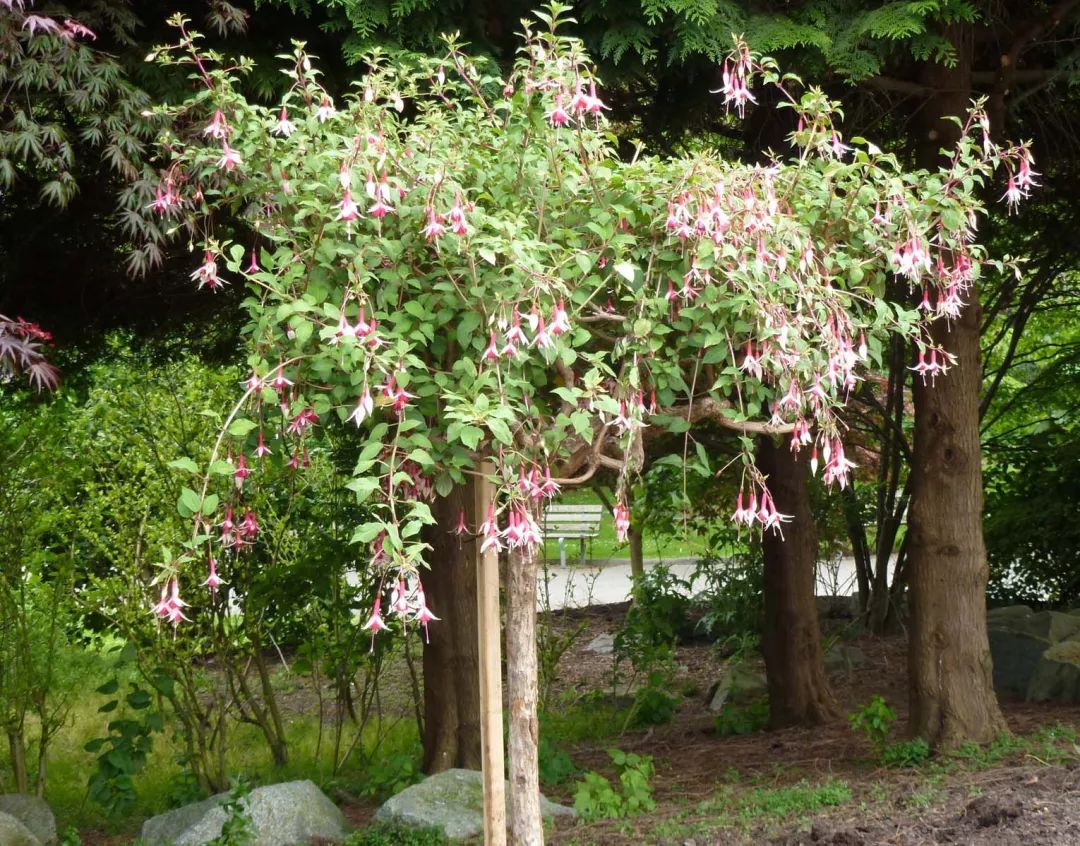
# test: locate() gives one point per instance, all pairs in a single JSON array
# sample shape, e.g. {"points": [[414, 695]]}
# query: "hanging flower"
{"points": [[284, 127]]}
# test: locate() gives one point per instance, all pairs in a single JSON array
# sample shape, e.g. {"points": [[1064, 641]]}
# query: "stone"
{"points": [[452, 801], [1007, 612], [1056, 678], [844, 658], [34, 813], [740, 685], [1015, 655], [289, 814], [14, 833], [602, 644], [1051, 626]]}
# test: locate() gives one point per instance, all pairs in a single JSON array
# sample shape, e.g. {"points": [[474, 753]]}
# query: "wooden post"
{"points": [[489, 627]]}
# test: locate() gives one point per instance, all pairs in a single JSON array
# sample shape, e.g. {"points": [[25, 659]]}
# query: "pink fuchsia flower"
{"points": [[1013, 195], [489, 530], [735, 85], [744, 516], [456, 218], [206, 274], [751, 363], [399, 599], [379, 210], [348, 210], [492, 351], [364, 407], [261, 449], [253, 382], [230, 159], [461, 529], [280, 383], [911, 259], [435, 227], [171, 605], [548, 487], [218, 127], [165, 200], [213, 581], [560, 323], [423, 613], [813, 460], [284, 127], [837, 466], [622, 521], [242, 471], [300, 423], [325, 110], [1025, 176], [542, 340], [558, 115], [375, 622], [398, 396], [253, 267], [249, 527]]}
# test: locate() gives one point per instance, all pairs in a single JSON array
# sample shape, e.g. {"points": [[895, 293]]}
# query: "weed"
{"points": [[555, 764], [742, 719], [238, 828], [392, 774], [798, 800], [389, 834], [597, 799], [653, 705], [906, 753], [875, 720]]}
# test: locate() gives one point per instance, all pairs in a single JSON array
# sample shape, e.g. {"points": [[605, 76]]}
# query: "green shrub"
{"points": [[875, 720], [554, 763], [906, 753]]}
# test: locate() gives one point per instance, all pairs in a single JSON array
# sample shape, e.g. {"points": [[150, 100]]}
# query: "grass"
{"points": [[605, 546]]}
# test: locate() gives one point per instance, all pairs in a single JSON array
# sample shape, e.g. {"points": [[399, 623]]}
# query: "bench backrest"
{"points": [[573, 521]]}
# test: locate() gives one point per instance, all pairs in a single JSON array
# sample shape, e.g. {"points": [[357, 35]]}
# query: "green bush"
{"points": [[906, 753], [742, 719], [875, 720]]}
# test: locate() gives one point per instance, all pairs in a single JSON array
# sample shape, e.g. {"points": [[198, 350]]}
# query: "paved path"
{"points": [[608, 582]]}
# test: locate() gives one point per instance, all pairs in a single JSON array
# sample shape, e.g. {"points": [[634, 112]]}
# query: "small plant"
{"points": [[391, 775], [874, 720], [238, 828], [905, 753], [742, 719], [653, 704], [554, 763], [392, 834], [70, 837], [597, 799]]}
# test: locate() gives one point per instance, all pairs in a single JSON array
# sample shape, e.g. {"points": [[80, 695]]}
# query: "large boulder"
{"points": [[452, 801], [1050, 626], [1005, 613], [1056, 678], [740, 685], [34, 813], [1015, 655], [843, 658], [14, 833], [289, 814]]}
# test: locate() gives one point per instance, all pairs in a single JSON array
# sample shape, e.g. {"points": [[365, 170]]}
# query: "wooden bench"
{"points": [[572, 521]]}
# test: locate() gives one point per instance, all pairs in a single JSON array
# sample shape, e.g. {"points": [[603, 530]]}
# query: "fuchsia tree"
{"points": [[457, 264]]}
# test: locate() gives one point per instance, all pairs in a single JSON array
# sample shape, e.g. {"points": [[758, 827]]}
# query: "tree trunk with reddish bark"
{"points": [[451, 662], [526, 825], [799, 692], [949, 665]]}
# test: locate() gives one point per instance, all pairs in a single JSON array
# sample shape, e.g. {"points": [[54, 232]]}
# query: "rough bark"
{"points": [[451, 669], [799, 692], [526, 826], [951, 686]]}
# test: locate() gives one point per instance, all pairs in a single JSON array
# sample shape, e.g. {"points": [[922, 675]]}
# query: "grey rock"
{"points": [[1056, 678], [837, 607], [1015, 656], [14, 833], [1051, 626], [1007, 612], [289, 814], [32, 812], [602, 644], [740, 685], [844, 658], [453, 801]]}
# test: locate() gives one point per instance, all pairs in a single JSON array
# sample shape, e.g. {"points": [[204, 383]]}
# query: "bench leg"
{"points": [[583, 552], [562, 552]]}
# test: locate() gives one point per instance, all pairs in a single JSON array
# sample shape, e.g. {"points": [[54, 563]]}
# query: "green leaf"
{"points": [[184, 464], [501, 431], [210, 505], [241, 427], [189, 501]]}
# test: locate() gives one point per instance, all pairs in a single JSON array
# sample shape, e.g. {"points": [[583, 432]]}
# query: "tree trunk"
{"points": [[526, 826], [860, 545], [799, 692], [637, 552], [949, 665], [451, 669]]}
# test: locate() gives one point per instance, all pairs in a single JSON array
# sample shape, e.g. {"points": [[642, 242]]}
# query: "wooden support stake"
{"points": [[489, 628]]}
